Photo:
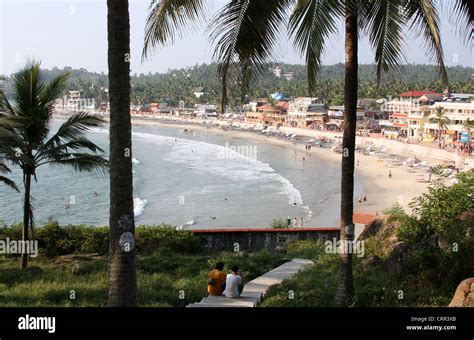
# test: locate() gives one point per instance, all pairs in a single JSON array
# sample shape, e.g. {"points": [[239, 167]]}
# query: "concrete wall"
{"points": [[258, 239]]}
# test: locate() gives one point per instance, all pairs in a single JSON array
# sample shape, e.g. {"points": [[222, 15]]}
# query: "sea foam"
{"points": [[138, 206], [207, 158]]}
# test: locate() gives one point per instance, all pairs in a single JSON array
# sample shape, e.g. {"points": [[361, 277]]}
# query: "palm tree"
{"points": [[5, 137], [245, 31], [30, 144], [122, 275], [442, 121], [4, 169], [469, 126]]}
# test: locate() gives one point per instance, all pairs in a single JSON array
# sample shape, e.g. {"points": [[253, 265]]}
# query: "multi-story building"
{"points": [[305, 111], [457, 113], [408, 114], [269, 114]]}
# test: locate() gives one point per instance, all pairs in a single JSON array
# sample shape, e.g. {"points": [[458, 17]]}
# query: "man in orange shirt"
{"points": [[216, 280]]}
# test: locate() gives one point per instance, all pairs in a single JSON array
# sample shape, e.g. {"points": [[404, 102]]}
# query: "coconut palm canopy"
{"points": [[244, 31], [26, 139], [245, 34]]}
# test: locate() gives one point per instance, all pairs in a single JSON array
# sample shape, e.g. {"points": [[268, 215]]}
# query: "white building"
{"points": [[303, 110], [458, 113], [277, 71]]}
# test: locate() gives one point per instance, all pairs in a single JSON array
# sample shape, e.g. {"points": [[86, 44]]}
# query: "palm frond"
{"points": [[8, 182], [383, 21], [462, 15], [244, 33], [61, 151], [310, 25], [168, 19], [53, 89], [83, 162], [4, 169], [424, 18], [5, 106], [70, 137]]}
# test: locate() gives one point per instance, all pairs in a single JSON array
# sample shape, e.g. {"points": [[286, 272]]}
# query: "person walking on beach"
{"points": [[216, 280], [294, 222], [360, 199], [389, 174], [288, 222], [301, 223]]}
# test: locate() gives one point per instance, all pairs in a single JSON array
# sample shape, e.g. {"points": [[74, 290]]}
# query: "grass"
{"points": [[374, 287], [164, 278], [171, 279]]}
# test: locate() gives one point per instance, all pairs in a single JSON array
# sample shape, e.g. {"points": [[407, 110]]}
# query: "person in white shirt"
{"points": [[233, 283]]}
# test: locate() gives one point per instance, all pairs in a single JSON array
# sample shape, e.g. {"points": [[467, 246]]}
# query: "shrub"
{"points": [[433, 212], [152, 238], [279, 224], [55, 240]]}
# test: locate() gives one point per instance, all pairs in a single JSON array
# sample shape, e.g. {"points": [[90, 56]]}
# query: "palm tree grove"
{"points": [[297, 159]]}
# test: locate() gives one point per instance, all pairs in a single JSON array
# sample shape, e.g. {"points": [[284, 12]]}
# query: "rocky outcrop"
{"points": [[464, 295], [402, 254]]}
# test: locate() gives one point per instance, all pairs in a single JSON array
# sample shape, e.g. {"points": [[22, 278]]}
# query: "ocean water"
{"points": [[191, 179]]}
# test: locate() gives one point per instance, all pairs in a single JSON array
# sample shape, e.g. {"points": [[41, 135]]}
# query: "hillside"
{"points": [[178, 84]]}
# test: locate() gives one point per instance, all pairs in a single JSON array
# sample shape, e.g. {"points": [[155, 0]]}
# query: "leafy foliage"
{"points": [[435, 212]]}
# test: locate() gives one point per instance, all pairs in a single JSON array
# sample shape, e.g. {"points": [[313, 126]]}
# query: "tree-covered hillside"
{"points": [[179, 84]]}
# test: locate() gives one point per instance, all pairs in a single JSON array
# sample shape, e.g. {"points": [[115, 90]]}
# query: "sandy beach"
{"points": [[381, 191]]}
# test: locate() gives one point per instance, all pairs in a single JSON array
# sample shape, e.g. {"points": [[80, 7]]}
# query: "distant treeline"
{"points": [[179, 84]]}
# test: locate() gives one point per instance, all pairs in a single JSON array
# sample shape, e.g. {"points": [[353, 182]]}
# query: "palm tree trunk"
{"points": [[345, 289], [26, 220], [122, 275]]}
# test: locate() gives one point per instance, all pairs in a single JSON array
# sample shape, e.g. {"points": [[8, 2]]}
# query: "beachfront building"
{"points": [[253, 105], [457, 113], [458, 97], [408, 114], [269, 114], [336, 117], [73, 102], [305, 112], [205, 110]]}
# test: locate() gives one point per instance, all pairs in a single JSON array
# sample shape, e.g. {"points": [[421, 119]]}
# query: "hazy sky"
{"points": [[73, 33]]}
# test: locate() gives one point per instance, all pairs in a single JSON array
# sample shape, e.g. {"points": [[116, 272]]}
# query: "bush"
{"points": [[307, 249], [152, 238], [279, 224], [55, 240], [433, 212]]}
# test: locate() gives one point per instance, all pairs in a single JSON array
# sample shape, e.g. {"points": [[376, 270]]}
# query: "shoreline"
{"points": [[382, 192], [372, 171]]}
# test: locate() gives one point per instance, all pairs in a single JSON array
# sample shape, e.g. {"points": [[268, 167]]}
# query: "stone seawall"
{"points": [[259, 239]]}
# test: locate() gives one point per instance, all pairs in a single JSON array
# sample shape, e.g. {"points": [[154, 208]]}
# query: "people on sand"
{"points": [[294, 223], [300, 225], [288, 222], [216, 280], [389, 174], [233, 284]]}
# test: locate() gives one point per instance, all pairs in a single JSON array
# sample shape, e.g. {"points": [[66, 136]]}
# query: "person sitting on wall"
{"points": [[233, 285], [216, 280]]}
